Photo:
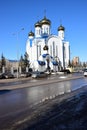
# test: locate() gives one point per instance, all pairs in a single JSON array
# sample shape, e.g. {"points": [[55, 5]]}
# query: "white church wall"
{"points": [[67, 53], [34, 53], [37, 67], [61, 55], [30, 54], [61, 34], [57, 45]]}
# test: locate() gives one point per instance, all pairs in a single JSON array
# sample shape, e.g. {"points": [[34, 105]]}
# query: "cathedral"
{"points": [[45, 50]]}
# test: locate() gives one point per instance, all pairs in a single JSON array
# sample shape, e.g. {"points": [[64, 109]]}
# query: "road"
{"points": [[15, 104]]}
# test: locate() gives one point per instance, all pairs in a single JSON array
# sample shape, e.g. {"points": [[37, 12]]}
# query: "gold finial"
{"points": [[60, 21], [37, 18], [45, 13]]}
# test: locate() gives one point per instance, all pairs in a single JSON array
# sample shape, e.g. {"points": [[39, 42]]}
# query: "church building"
{"points": [[45, 50]]}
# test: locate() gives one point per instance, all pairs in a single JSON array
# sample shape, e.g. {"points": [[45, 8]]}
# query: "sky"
{"points": [[18, 14]]}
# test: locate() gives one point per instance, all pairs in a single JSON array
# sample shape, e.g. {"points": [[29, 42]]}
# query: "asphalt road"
{"points": [[16, 104]]}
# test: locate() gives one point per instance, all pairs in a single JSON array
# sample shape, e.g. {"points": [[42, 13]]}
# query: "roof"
{"points": [[45, 21], [61, 28], [45, 47], [38, 24], [30, 33]]}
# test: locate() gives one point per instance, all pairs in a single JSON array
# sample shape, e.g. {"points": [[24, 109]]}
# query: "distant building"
{"points": [[11, 65], [75, 61], [43, 47]]}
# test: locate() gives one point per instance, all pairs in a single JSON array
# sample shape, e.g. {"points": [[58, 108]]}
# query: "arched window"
{"points": [[56, 50], [53, 49], [50, 50], [40, 49], [47, 30]]}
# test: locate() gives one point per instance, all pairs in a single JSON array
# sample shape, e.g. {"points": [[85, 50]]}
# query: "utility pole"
{"points": [[17, 35]]}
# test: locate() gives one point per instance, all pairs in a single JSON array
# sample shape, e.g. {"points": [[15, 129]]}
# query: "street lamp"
{"points": [[17, 34]]}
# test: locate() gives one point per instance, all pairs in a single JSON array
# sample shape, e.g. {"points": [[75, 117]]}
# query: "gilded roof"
{"points": [[61, 28], [30, 33], [45, 47], [38, 24], [45, 21]]}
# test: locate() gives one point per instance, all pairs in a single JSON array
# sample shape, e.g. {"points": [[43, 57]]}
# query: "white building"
{"points": [[43, 47]]}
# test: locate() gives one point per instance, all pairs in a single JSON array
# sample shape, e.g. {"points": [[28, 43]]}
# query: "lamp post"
{"points": [[17, 35]]}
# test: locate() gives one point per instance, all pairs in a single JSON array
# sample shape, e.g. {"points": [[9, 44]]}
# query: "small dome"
{"points": [[61, 28], [45, 47], [30, 33], [45, 21], [38, 24]]}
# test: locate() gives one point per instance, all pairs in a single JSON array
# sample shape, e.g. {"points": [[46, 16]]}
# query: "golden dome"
{"points": [[45, 47], [38, 24], [45, 21], [61, 28], [30, 33]]}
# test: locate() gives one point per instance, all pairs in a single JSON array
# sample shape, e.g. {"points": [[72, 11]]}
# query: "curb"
{"points": [[34, 84]]}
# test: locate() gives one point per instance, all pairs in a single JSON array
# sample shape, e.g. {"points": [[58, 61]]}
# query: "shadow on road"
{"points": [[4, 91]]}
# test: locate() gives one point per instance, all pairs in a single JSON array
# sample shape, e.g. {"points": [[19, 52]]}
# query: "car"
{"points": [[85, 73], [25, 74], [6, 75], [66, 71], [38, 74], [21, 75]]}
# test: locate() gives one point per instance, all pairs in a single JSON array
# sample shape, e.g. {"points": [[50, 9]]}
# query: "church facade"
{"points": [[45, 50]]}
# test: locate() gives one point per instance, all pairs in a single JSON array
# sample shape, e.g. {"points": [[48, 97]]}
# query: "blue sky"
{"points": [[18, 14]]}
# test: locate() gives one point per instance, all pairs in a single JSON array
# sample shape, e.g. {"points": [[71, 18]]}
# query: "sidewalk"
{"points": [[13, 80], [10, 84]]}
